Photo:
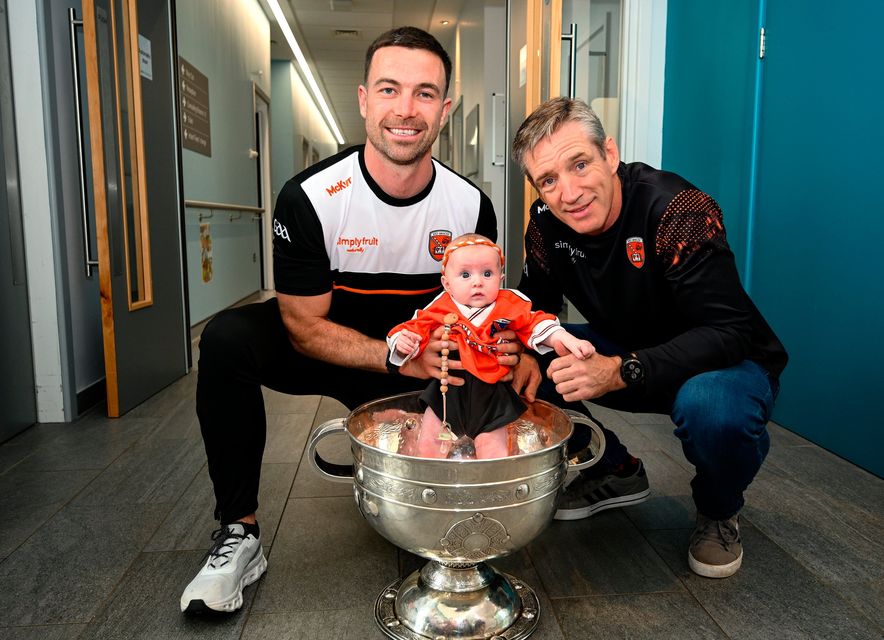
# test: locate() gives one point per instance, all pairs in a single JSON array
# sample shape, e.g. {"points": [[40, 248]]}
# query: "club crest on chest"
{"points": [[635, 251]]}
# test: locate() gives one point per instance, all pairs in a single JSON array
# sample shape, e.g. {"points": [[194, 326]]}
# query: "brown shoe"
{"points": [[716, 550]]}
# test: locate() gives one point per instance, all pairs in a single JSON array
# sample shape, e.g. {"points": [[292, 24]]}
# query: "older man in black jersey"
{"points": [[642, 255], [356, 251]]}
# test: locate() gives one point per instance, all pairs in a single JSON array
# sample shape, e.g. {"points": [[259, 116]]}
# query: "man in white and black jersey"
{"points": [[359, 239]]}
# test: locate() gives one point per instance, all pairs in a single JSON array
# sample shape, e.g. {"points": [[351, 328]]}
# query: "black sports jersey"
{"points": [[336, 230], [661, 282]]}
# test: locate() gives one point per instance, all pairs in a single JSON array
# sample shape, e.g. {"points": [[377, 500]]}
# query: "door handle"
{"points": [[90, 262], [572, 68]]}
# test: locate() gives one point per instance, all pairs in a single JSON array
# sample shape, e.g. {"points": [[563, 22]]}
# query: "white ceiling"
{"points": [[338, 59]]}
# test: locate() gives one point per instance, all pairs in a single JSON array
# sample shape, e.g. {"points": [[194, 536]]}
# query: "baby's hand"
{"points": [[581, 349], [407, 342]]}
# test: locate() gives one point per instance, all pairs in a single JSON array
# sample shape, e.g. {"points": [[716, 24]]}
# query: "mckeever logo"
{"points": [[340, 186], [357, 245], [280, 230]]}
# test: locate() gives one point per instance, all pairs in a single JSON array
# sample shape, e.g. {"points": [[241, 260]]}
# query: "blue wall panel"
{"points": [[815, 272], [708, 103], [818, 274]]}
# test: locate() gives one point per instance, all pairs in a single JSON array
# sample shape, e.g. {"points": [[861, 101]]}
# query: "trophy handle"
{"points": [[332, 471], [593, 452]]}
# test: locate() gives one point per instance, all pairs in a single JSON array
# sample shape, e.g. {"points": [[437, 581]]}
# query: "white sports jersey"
{"points": [[336, 230]]}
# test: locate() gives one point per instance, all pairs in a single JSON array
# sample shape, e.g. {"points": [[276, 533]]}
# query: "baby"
{"points": [[472, 271]]}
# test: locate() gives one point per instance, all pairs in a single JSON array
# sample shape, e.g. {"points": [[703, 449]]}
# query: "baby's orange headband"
{"points": [[469, 242]]}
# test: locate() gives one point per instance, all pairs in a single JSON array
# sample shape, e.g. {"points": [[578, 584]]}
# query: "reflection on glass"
{"points": [[457, 136], [597, 57], [471, 143], [445, 144]]}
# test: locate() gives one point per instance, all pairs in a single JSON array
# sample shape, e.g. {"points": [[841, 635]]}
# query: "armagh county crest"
{"points": [[635, 251], [438, 240]]}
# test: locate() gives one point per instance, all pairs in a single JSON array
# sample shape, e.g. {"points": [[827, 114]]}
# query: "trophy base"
{"points": [[464, 601]]}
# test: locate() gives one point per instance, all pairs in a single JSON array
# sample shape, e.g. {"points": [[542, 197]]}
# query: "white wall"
{"points": [[228, 42], [43, 289], [294, 118]]}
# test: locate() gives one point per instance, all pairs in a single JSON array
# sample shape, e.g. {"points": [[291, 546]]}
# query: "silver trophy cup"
{"points": [[456, 513]]}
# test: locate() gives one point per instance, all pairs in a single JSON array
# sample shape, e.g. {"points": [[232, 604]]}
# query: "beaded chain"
{"points": [[449, 320]]}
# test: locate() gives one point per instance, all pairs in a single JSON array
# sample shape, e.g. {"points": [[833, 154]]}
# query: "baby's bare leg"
{"points": [[492, 444], [429, 445]]}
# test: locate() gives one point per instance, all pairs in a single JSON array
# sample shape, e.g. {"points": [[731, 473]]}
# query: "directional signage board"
{"points": [[193, 91]]}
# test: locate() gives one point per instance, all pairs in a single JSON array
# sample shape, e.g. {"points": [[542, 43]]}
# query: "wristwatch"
{"points": [[632, 371], [392, 368]]}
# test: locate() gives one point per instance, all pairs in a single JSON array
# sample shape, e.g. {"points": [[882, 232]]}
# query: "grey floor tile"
{"points": [[30, 498], [180, 422], [167, 400], [633, 439], [670, 505], [342, 624], [11, 455], [286, 436], [810, 527], [604, 554], [772, 596], [145, 605], [325, 556], [191, 521], [867, 597], [519, 566], [276, 403], [662, 439], [334, 448], [836, 478], [66, 570], [652, 616], [647, 418], [43, 632], [155, 471], [782, 437], [90, 443]]}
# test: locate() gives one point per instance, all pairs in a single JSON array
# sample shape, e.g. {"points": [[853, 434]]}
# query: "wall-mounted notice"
{"points": [[193, 90], [144, 57]]}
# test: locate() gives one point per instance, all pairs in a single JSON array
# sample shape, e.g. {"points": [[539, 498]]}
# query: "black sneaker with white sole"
{"points": [[235, 561], [586, 495]]}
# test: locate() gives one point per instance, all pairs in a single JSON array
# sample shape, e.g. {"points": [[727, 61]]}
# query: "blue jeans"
{"points": [[721, 419]]}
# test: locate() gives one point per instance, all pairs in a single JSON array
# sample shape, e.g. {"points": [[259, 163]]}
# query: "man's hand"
{"points": [[429, 363], [509, 350], [527, 377], [586, 379]]}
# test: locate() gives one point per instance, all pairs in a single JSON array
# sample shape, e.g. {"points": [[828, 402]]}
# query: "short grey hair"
{"points": [[549, 118]]}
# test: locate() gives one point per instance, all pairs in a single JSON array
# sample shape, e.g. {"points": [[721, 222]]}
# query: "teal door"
{"points": [[817, 271]]}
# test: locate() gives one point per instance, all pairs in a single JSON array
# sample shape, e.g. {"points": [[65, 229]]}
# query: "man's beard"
{"points": [[402, 155]]}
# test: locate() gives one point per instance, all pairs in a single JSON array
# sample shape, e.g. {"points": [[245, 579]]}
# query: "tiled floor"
{"points": [[103, 522]]}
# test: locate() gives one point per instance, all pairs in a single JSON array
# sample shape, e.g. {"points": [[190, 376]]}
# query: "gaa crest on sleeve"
{"points": [[438, 240], [635, 251]]}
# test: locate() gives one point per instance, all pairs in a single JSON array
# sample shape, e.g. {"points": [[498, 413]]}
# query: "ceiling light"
{"points": [[444, 21], [305, 68]]}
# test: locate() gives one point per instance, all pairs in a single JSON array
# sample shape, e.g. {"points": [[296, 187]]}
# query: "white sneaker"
{"points": [[235, 561]]}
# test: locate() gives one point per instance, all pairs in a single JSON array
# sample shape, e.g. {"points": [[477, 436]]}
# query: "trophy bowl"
{"points": [[456, 513]]}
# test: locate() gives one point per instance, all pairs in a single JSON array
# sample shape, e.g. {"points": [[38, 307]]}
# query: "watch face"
{"points": [[631, 371]]}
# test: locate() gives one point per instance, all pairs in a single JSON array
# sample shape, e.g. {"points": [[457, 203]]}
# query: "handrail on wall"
{"points": [[212, 206]]}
